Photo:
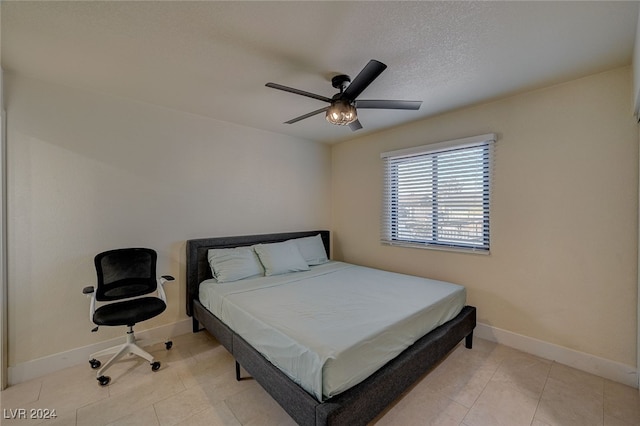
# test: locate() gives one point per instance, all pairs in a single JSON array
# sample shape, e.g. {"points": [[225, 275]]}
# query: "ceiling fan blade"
{"points": [[388, 104], [355, 125], [298, 92], [369, 73], [311, 114]]}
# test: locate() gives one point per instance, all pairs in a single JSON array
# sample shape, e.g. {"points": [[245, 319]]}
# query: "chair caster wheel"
{"points": [[168, 344], [155, 366], [94, 363], [104, 380]]}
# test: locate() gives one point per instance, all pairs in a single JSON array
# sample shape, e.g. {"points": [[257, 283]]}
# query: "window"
{"points": [[437, 196]]}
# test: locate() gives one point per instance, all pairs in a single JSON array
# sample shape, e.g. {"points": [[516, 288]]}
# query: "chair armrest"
{"points": [[90, 292], [163, 279]]}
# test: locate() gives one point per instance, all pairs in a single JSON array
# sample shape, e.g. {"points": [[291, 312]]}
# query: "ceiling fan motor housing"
{"points": [[340, 81]]}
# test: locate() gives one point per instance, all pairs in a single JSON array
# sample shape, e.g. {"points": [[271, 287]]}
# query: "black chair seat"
{"points": [[129, 312]]}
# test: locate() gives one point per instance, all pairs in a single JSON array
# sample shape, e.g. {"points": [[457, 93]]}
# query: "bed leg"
{"points": [[468, 341], [195, 325], [238, 378]]}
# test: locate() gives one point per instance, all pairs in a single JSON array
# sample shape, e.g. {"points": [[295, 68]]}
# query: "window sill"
{"points": [[455, 249]]}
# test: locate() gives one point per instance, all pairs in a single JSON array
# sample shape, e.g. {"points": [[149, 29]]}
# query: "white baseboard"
{"points": [[602, 367], [48, 364]]}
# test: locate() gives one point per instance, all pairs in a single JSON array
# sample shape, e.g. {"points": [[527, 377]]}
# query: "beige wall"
{"points": [[89, 172], [563, 263]]}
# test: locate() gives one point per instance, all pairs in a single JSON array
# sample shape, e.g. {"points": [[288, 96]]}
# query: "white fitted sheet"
{"points": [[331, 327]]}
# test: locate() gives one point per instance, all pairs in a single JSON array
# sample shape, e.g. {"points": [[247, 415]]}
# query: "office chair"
{"points": [[124, 277]]}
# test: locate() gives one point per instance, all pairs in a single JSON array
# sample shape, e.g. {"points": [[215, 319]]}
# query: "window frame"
{"points": [[390, 222]]}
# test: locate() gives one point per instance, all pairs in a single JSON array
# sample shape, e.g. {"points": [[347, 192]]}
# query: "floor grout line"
{"points": [[546, 379]]}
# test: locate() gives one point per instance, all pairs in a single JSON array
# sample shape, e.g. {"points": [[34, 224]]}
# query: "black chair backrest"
{"points": [[125, 273]]}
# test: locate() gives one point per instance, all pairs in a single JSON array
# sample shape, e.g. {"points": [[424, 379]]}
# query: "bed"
{"points": [[353, 405]]}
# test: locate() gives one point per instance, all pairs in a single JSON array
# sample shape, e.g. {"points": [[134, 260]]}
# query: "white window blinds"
{"points": [[437, 196]]}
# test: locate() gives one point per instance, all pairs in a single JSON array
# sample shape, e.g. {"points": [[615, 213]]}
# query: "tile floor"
{"points": [[489, 385]]}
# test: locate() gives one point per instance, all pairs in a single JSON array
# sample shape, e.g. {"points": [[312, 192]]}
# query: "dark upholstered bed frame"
{"points": [[355, 406]]}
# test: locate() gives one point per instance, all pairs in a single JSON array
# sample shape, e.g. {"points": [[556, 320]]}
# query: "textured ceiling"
{"points": [[214, 58]]}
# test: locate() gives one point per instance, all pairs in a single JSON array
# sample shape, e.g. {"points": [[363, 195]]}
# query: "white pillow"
{"points": [[280, 258], [234, 264], [312, 250]]}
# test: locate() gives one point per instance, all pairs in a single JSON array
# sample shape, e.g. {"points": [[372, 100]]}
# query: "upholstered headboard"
{"points": [[198, 265]]}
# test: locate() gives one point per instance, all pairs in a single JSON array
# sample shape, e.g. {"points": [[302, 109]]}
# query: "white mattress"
{"points": [[331, 327]]}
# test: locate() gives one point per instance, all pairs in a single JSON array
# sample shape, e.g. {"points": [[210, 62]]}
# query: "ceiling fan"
{"points": [[342, 109]]}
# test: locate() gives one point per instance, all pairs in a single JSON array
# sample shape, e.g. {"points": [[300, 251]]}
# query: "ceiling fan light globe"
{"points": [[341, 113]]}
